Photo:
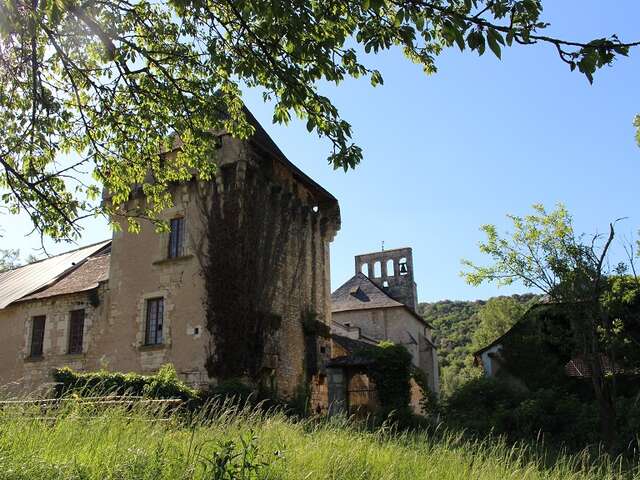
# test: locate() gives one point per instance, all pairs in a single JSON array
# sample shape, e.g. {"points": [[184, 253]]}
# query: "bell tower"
{"points": [[392, 271]]}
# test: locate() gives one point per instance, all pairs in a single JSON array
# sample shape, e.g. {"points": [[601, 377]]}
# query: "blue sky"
{"points": [[446, 153]]}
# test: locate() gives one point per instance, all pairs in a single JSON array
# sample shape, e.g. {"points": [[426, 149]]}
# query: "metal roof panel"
{"points": [[21, 281]]}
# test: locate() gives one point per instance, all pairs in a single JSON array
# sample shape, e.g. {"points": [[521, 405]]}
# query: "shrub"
{"points": [[164, 384], [557, 414]]}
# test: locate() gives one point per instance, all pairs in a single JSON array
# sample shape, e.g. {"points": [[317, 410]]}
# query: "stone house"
{"points": [[378, 303], [138, 301]]}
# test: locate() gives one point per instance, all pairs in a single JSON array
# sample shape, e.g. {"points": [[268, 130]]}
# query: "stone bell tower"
{"points": [[392, 271]]}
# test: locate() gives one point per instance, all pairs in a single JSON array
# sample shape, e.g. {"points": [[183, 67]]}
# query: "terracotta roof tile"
{"points": [[21, 281], [86, 276]]}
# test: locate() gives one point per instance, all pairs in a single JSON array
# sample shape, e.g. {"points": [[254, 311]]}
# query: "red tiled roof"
{"points": [[579, 367]]}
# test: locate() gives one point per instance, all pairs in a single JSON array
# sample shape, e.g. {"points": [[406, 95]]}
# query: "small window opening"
{"points": [[323, 349], [385, 284], [176, 237], [315, 208], [196, 330], [377, 270], [402, 266], [76, 331], [390, 269], [155, 320], [364, 269], [37, 335]]}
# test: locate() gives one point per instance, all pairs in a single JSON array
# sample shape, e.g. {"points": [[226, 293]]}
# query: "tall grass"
{"points": [[79, 441]]}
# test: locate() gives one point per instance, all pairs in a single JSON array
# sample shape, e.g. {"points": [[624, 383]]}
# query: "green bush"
{"points": [[163, 385], [556, 414]]}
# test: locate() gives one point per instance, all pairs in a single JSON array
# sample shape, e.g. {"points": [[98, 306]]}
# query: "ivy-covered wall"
{"points": [[265, 263]]}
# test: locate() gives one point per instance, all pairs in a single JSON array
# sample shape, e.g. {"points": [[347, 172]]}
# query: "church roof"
{"points": [[22, 281], [360, 293]]}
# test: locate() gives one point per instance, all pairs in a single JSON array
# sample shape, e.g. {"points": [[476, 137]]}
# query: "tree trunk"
{"points": [[606, 404]]}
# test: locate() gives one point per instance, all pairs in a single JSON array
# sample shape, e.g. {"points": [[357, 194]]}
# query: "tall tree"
{"points": [[105, 85], [544, 252]]}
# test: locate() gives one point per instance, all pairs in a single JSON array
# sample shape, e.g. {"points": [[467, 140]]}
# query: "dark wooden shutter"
{"points": [[37, 335], [155, 313], [76, 331]]}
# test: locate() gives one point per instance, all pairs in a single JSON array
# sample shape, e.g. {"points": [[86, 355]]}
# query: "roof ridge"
{"points": [[54, 256]]}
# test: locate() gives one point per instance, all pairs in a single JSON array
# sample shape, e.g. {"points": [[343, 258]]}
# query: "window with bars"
{"points": [[155, 314], [176, 237], [37, 335], [76, 331]]}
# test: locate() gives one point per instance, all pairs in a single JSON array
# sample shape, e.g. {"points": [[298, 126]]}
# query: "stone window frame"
{"points": [[28, 330], [154, 322], [141, 320], [170, 214]]}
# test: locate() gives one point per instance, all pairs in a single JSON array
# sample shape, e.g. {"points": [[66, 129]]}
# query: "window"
{"points": [[76, 331], [390, 270], [37, 335], [377, 270], [365, 269], [176, 237], [155, 313]]}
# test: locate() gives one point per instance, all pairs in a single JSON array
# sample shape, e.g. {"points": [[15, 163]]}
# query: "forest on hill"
{"points": [[461, 327]]}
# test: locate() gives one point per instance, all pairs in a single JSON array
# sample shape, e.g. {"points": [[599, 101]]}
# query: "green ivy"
{"points": [[164, 384], [391, 372]]}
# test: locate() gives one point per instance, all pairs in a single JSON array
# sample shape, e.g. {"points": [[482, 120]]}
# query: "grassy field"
{"points": [[76, 443]]}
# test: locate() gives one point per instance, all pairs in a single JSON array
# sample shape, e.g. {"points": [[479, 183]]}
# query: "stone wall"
{"points": [[292, 271], [19, 373]]}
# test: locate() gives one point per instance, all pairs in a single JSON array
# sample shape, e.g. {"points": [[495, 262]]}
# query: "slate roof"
{"points": [[351, 345], [262, 140], [19, 282], [356, 356], [87, 276], [360, 293]]}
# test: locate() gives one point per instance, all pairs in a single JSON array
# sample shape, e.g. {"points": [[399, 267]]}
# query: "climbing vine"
{"points": [[248, 222], [391, 371]]}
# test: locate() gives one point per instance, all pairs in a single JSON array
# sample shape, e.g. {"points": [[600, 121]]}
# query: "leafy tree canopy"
{"points": [[103, 86], [543, 251], [496, 317]]}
